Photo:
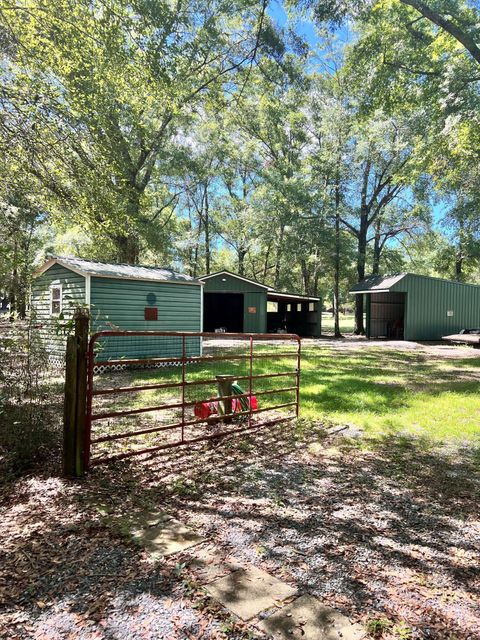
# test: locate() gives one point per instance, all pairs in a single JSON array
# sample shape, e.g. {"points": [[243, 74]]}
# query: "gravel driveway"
{"points": [[387, 531]]}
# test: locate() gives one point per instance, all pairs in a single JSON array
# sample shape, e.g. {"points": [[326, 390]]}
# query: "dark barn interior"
{"points": [[223, 310], [293, 314], [386, 315]]}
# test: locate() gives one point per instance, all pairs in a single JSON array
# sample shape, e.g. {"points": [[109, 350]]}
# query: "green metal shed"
{"points": [[234, 303], [417, 307], [238, 304], [120, 297]]}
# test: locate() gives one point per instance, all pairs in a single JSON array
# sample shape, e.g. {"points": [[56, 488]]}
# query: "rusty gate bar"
{"points": [[132, 434], [250, 373], [166, 385], [171, 445], [184, 354], [297, 394], [184, 360], [189, 403], [193, 359]]}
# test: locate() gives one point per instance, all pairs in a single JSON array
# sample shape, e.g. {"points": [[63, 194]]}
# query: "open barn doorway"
{"points": [[223, 311], [387, 316]]}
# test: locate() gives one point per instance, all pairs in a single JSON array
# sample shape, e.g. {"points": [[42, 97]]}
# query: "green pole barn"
{"points": [[119, 297], [237, 304], [412, 307]]}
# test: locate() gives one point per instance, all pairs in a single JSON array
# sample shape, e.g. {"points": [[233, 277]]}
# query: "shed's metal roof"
{"points": [[271, 293], [125, 271], [377, 283], [224, 272], [293, 297]]}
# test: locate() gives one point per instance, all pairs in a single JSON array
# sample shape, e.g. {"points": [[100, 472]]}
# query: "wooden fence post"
{"points": [[70, 407], [225, 389], [82, 322], [76, 396]]}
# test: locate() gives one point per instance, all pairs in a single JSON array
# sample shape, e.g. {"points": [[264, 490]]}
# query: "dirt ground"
{"points": [[388, 534], [353, 342], [440, 349], [386, 530]]}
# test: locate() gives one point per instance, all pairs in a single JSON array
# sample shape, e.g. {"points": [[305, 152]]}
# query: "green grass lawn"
{"points": [[380, 390], [384, 391], [347, 323]]}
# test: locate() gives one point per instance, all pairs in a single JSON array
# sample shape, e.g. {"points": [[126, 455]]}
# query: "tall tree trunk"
{"points": [[362, 247], [193, 272], [241, 253], [377, 248], [315, 283], [127, 242], [459, 258], [278, 257], [336, 262], [206, 222], [22, 295], [197, 247], [128, 248], [14, 282], [305, 276], [265, 264], [361, 262]]}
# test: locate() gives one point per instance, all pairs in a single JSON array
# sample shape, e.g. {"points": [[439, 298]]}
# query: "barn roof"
{"points": [[272, 294], [276, 296], [224, 272], [377, 284], [122, 271]]}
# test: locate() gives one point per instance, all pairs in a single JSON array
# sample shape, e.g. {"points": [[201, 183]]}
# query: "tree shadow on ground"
{"points": [[386, 525], [383, 526]]}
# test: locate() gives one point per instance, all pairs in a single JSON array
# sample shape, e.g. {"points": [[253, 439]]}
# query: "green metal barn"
{"points": [[416, 307], [238, 304], [122, 297]]}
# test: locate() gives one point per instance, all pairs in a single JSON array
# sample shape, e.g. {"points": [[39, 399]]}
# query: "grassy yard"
{"points": [[380, 390], [382, 527], [384, 390], [346, 323]]}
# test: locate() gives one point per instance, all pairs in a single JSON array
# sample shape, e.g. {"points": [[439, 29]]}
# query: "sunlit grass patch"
{"points": [[347, 323], [393, 390], [378, 390]]}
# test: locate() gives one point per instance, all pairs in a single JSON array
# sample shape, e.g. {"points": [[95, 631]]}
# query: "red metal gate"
{"points": [[180, 360]]}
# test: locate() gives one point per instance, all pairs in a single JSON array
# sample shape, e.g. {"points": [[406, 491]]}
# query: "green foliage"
{"points": [[20, 219], [104, 85], [376, 626], [204, 136], [411, 66], [29, 428]]}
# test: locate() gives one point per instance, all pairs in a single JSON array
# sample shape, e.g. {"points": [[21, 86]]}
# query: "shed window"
{"points": [[56, 300], [272, 307], [299, 306], [289, 307], [311, 306]]}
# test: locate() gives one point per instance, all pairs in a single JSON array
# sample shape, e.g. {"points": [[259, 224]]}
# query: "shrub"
{"points": [[29, 407]]}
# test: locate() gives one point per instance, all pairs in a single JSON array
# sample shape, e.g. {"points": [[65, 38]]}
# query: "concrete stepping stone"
{"points": [[249, 591], [162, 535], [209, 563], [309, 619]]}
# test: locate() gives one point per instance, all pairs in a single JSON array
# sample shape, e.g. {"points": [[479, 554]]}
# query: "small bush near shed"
{"points": [[29, 429]]}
